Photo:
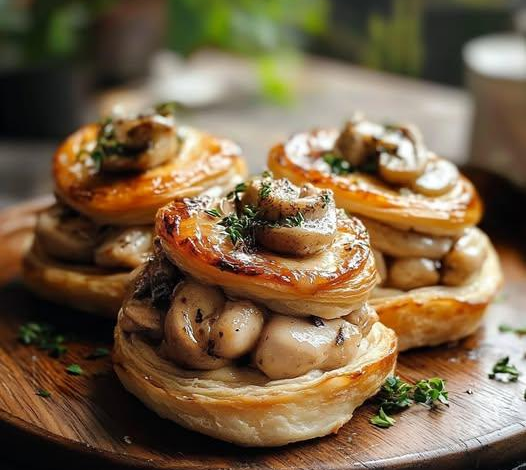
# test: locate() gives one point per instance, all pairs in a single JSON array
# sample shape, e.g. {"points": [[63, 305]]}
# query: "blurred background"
{"points": [[258, 70]]}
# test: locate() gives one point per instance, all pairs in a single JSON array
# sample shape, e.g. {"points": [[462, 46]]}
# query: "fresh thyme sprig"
{"points": [[397, 395], [240, 188], [293, 221], [240, 227], [503, 371], [215, 212]]}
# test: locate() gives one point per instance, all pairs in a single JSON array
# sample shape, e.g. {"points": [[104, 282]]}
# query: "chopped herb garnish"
{"points": [[97, 353], [267, 174], [397, 395], [240, 188], [41, 392], [338, 165], [240, 228], [265, 190], [293, 221], [213, 212], [169, 108], [43, 336], [382, 420], [510, 329], [503, 371], [74, 369], [326, 199]]}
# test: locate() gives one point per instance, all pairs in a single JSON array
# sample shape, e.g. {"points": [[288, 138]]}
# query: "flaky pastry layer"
{"points": [[241, 405], [86, 288]]}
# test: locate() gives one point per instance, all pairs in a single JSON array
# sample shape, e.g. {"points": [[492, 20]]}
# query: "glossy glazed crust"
{"points": [[430, 316], [89, 289], [241, 406], [300, 160], [203, 162], [329, 284]]}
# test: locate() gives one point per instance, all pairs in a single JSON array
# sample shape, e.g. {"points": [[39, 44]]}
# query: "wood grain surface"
{"points": [[89, 421]]}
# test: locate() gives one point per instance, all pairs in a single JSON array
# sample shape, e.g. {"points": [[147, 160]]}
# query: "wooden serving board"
{"points": [[89, 421]]}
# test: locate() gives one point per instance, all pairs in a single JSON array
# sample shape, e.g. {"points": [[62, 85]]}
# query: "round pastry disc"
{"points": [[89, 420]]}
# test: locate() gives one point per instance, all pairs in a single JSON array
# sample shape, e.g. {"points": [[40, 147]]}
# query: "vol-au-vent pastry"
{"points": [[251, 322], [109, 179], [438, 270]]}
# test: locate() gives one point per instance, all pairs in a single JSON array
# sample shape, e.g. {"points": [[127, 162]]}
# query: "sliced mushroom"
{"points": [[205, 331], [297, 221], [438, 178], [125, 248], [403, 156], [66, 235], [143, 142], [237, 329], [357, 141], [466, 257], [291, 346], [141, 317], [411, 273], [406, 243]]}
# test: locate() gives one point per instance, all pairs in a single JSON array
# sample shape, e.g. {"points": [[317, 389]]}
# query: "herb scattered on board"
{"points": [[503, 371], [397, 395], [98, 353], [510, 329], [382, 420], [74, 369], [44, 337], [41, 392]]}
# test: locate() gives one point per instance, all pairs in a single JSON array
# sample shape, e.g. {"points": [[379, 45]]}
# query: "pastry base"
{"points": [[86, 288], [429, 316], [241, 405]]}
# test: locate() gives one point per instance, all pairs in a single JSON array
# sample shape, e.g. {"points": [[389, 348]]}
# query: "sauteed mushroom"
{"points": [[204, 331], [297, 221], [138, 143], [290, 346], [403, 156]]}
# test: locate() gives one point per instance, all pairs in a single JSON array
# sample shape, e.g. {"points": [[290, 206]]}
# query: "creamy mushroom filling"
{"points": [[407, 259], [395, 153], [198, 327], [282, 217], [68, 236]]}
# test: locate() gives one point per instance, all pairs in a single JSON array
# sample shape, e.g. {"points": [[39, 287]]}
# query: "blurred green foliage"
{"points": [[394, 43], [41, 31], [270, 32]]}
